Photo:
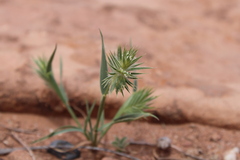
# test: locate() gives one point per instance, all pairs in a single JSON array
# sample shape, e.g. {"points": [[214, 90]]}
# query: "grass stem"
{"points": [[100, 112]]}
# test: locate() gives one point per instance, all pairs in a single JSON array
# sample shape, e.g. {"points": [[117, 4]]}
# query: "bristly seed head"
{"points": [[124, 67]]}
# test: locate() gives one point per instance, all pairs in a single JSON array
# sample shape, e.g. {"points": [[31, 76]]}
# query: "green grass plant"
{"points": [[119, 71], [120, 144]]}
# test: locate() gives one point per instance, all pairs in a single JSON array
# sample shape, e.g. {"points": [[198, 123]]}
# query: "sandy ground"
{"points": [[201, 141]]}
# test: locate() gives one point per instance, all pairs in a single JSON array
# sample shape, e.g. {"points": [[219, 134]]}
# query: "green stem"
{"points": [[100, 111], [63, 98], [73, 115], [105, 131]]}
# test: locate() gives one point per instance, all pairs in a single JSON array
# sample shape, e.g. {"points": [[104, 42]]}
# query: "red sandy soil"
{"points": [[198, 140]]}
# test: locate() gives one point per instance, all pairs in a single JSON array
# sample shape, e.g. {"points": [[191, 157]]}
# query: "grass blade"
{"points": [[45, 72], [61, 70], [88, 123], [103, 69], [60, 130], [135, 85], [49, 65], [132, 117]]}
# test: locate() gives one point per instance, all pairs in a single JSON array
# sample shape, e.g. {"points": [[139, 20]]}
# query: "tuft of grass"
{"points": [[119, 71], [120, 144]]}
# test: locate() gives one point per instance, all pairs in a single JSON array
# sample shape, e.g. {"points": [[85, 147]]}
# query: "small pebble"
{"points": [[164, 143], [163, 147], [231, 154]]}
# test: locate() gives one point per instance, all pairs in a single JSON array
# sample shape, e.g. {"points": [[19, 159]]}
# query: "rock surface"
{"points": [[193, 46]]}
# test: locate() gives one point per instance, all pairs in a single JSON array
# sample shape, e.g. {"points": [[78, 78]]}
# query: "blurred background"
{"points": [[192, 45]]}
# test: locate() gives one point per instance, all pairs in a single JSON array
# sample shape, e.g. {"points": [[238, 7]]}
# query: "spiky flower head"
{"points": [[124, 69]]}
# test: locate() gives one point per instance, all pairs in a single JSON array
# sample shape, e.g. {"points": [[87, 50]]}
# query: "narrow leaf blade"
{"points": [[60, 130], [49, 65], [132, 116], [103, 69]]}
